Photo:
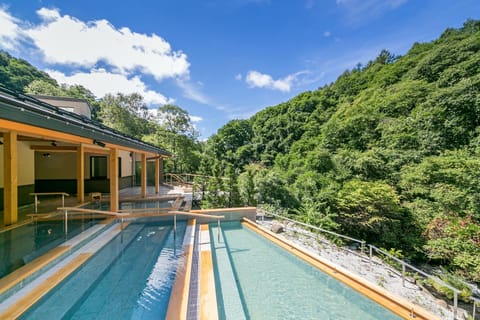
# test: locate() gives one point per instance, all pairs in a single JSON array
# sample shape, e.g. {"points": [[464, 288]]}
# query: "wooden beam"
{"points": [[144, 176], [44, 134], [54, 149], [157, 175], [96, 150], [10, 184], [81, 173], [114, 206]]}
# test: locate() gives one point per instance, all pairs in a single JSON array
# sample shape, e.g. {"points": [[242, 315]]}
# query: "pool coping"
{"points": [[178, 304], [208, 297], [395, 304]]}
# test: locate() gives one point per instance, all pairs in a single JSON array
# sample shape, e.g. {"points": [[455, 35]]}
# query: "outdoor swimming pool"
{"points": [[131, 277], [271, 283]]}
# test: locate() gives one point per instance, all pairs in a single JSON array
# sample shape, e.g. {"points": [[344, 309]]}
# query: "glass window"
{"points": [[98, 167]]}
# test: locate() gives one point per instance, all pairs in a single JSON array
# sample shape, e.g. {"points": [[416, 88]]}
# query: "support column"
{"points": [[10, 183], [114, 206], [157, 175], [144, 176], [161, 170], [81, 174]]}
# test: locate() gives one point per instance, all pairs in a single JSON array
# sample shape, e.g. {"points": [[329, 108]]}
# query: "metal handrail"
{"points": [[362, 242], [83, 210], [143, 210], [403, 263], [200, 215]]}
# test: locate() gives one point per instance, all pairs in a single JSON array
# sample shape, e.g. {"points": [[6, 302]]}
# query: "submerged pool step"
{"points": [[22, 305], [36, 281], [230, 303], [21, 277]]}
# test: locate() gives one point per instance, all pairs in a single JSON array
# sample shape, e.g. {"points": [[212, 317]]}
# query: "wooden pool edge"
{"points": [[395, 304], [208, 298], [178, 305], [27, 301]]}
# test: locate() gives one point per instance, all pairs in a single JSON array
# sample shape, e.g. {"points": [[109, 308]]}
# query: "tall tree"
{"points": [[180, 136], [126, 113]]}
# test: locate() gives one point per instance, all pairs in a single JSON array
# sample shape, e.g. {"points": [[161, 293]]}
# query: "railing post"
{"points": [[403, 274], [362, 248], [66, 222], [474, 308], [455, 304], [218, 228], [174, 225], [370, 253], [36, 205]]}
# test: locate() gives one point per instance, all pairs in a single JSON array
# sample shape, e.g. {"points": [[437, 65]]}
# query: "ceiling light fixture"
{"points": [[99, 143]]}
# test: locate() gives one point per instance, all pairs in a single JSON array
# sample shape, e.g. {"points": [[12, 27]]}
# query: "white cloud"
{"points": [[10, 32], [191, 91], [196, 118], [256, 79], [327, 34], [101, 82], [68, 40], [238, 76]]}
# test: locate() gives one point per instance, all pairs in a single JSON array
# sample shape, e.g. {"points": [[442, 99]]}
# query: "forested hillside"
{"points": [[388, 153]]}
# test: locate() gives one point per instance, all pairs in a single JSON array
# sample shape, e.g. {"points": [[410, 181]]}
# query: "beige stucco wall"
{"points": [[26, 168], [59, 165], [126, 163]]}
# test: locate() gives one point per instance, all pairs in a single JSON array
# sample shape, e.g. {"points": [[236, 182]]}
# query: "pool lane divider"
{"points": [[208, 296], [397, 305], [65, 259], [178, 304]]}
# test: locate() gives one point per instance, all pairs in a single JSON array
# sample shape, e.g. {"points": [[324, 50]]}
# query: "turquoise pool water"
{"points": [[130, 278], [23, 244], [271, 283]]}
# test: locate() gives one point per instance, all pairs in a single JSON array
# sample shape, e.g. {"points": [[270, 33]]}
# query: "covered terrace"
{"points": [[48, 151]]}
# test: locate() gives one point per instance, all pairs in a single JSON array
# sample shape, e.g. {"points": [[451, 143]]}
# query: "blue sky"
{"points": [[218, 59]]}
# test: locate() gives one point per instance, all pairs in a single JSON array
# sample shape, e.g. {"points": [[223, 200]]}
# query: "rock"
{"points": [[463, 314], [277, 228], [442, 303]]}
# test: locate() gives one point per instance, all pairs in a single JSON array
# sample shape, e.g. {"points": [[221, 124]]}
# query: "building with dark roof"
{"points": [[45, 147]]}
